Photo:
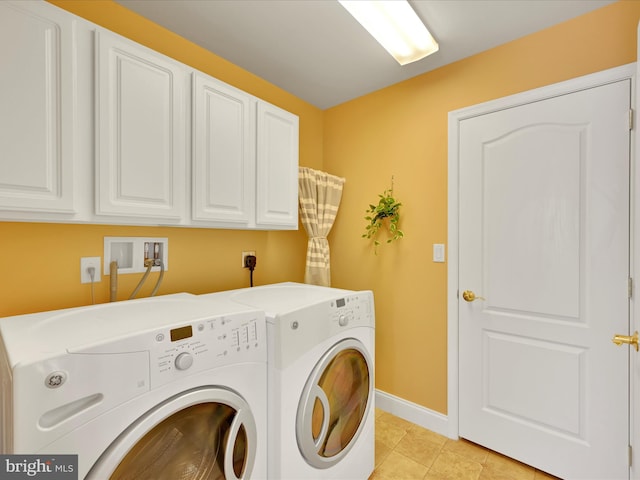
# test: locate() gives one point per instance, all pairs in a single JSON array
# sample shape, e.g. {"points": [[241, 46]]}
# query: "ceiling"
{"points": [[315, 50]]}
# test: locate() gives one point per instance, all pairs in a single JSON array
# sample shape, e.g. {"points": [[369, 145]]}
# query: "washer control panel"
{"points": [[207, 344]]}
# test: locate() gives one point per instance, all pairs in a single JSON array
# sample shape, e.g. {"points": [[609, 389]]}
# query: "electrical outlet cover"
{"points": [[245, 255], [85, 263]]}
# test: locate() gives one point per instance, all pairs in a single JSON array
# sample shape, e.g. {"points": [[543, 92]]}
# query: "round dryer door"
{"points": [[202, 434], [334, 404]]}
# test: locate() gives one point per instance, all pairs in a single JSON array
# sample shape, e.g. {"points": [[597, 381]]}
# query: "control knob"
{"points": [[343, 320], [183, 361]]}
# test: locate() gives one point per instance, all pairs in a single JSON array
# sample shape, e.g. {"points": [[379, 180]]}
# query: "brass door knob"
{"points": [[469, 296], [629, 340]]}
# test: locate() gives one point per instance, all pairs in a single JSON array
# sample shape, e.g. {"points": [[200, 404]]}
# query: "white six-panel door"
{"points": [[543, 221]]}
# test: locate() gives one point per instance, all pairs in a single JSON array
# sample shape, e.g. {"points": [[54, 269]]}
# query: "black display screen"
{"points": [[340, 302], [181, 333]]}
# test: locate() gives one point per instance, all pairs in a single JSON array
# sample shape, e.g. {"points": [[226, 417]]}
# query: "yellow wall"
{"points": [[401, 131], [40, 263]]}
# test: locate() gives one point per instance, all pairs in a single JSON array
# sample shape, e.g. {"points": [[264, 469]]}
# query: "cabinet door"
{"points": [[140, 132], [277, 168], [37, 48], [224, 152]]}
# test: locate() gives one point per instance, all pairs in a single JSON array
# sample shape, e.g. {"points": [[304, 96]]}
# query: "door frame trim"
{"points": [[454, 119]]}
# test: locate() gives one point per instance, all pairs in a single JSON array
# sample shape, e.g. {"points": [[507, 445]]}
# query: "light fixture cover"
{"points": [[396, 26]]}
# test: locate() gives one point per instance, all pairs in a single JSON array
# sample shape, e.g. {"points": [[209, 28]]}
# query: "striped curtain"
{"points": [[319, 195]]}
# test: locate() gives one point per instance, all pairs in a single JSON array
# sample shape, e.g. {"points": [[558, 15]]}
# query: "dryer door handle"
{"points": [[317, 392], [229, 470]]}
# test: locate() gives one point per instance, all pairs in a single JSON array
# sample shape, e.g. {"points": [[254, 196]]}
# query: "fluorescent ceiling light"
{"points": [[395, 25]]}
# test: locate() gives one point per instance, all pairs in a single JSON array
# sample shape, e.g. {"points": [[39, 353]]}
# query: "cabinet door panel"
{"points": [[140, 131], [277, 168], [224, 152], [37, 46]]}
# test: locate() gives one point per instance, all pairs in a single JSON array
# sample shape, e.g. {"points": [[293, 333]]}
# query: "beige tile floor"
{"points": [[405, 451]]}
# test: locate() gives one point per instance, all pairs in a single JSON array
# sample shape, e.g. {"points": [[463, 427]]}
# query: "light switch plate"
{"points": [[438, 252]]}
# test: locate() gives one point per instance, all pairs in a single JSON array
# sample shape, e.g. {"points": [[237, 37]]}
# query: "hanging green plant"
{"points": [[387, 211]]}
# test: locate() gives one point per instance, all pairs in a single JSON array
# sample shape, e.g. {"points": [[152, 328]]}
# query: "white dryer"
{"points": [[321, 380], [170, 387]]}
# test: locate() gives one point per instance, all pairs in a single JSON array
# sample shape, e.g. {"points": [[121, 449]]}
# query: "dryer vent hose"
{"points": [[113, 281]]}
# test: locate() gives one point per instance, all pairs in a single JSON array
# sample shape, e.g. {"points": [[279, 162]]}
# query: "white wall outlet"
{"points": [[245, 254], [85, 264]]}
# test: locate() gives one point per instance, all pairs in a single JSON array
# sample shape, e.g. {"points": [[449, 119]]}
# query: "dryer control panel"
{"points": [[354, 310], [301, 330]]}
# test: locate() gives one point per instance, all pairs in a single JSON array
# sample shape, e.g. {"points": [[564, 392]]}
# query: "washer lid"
{"points": [[40, 335]]}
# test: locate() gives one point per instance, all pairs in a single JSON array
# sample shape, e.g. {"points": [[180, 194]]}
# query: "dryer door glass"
{"points": [[206, 433], [334, 404]]}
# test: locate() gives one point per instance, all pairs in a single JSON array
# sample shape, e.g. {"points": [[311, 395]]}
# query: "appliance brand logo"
{"points": [[24, 467]]}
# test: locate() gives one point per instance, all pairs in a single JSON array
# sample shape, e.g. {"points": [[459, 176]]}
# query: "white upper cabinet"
{"points": [[277, 168], [95, 128], [245, 159], [141, 153], [223, 172], [37, 118]]}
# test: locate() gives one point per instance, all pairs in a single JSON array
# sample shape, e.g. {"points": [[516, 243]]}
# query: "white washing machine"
{"points": [[170, 387], [321, 380]]}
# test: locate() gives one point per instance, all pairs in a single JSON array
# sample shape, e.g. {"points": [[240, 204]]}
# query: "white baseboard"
{"points": [[414, 413]]}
